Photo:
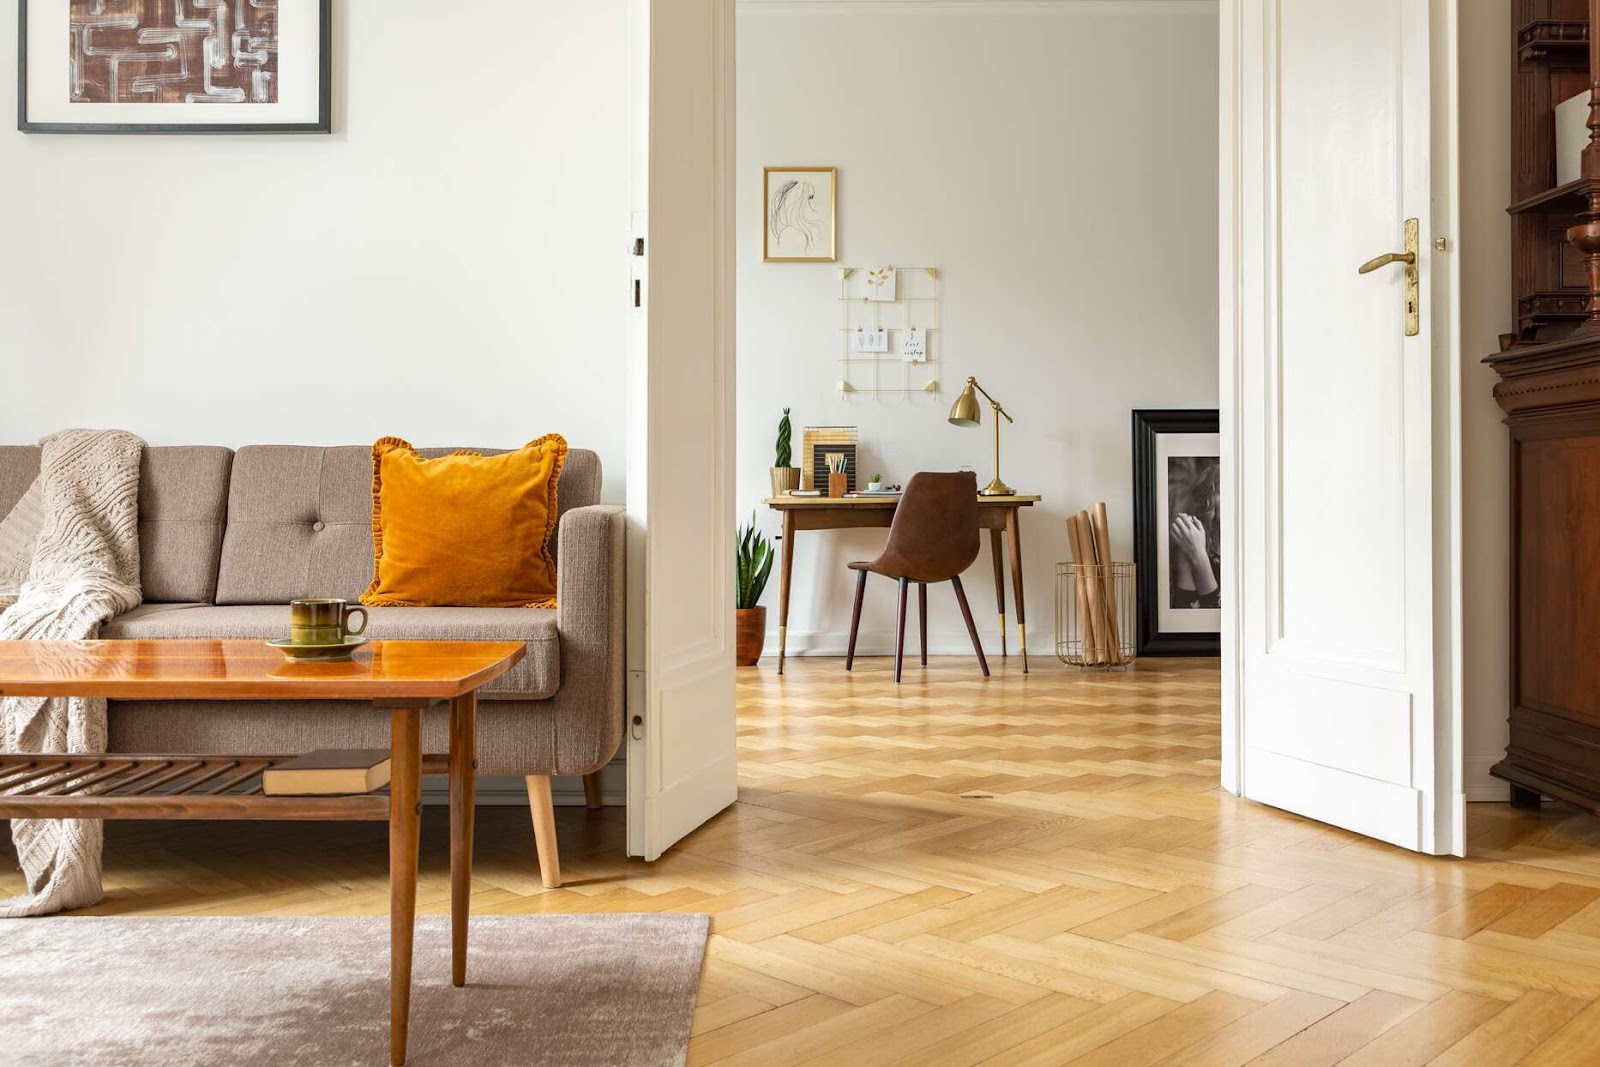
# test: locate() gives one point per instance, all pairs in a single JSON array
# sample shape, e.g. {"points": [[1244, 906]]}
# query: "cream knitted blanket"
{"points": [[83, 569]]}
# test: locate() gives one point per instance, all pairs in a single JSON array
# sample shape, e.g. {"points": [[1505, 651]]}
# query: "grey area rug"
{"points": [[541, 989]]}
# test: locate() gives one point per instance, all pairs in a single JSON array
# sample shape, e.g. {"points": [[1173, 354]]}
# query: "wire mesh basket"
{"points": [[1095, 614]]}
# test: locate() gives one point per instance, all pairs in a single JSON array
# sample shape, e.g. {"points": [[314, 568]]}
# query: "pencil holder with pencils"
{"points": [[838, 473]]}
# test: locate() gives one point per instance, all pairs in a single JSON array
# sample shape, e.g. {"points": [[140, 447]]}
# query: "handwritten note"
{"points": [[914, 345]]}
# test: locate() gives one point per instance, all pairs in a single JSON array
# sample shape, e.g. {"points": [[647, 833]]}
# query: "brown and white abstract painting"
{"points": [[173, 51], [174, 66]]}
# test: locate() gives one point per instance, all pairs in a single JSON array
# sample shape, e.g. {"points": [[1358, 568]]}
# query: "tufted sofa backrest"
{"points": [[183, 498], [300, 519]]}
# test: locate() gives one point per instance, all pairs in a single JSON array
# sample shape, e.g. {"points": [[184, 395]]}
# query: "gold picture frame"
{"points": [[799, 215]]}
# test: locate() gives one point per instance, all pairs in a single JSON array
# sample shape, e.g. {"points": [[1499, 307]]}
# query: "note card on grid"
{"points": [[871, 340], [914, 345]]}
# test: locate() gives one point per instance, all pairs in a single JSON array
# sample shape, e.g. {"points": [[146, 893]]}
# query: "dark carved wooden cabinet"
{"points": [[1549, 388]]}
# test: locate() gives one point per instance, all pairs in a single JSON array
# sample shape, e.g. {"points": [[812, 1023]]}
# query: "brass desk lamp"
{"points": [[966, 412]]}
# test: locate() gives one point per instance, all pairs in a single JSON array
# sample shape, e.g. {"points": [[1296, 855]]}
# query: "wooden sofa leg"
{"points": [[544, 829], [591, 791]]}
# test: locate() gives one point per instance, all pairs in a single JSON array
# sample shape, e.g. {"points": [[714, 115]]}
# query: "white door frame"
{"points": [[1244, 107]]}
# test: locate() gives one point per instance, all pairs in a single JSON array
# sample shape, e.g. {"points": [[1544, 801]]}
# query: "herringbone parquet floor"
{"points": [[1036, 870]]}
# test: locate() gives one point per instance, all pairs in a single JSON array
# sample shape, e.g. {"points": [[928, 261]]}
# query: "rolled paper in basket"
{"points": [[1107, 627], [1096, 592], [1083, 557]]}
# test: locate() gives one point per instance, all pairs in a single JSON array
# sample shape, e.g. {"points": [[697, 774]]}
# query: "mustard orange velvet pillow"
{"points": [[465, 529]]}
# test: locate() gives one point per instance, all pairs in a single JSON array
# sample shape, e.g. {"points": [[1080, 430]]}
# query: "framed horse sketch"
{"points": [[799, 214]]}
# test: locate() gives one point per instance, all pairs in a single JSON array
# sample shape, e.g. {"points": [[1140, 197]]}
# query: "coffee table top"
{"points": [[204, 670]]}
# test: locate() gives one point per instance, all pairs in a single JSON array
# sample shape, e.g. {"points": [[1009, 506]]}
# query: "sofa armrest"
{"points": [[591, 615]]}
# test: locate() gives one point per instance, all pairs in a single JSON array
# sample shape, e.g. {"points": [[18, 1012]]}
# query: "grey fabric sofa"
{"points": [[228, 538]]}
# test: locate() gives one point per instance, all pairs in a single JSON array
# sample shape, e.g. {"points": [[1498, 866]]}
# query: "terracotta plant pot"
{"points": [[784, 479], [750, 635]]}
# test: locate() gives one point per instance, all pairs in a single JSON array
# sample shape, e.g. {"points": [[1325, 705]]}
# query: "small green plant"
{"points": [[784, 435], [876, 477], [754, 555]]}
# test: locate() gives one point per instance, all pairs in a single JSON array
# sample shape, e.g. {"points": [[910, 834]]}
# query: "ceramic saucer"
{"points": [[342, 650]]}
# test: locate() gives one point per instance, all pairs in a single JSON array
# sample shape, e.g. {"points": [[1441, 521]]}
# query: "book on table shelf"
{"points": [[331, 772]]}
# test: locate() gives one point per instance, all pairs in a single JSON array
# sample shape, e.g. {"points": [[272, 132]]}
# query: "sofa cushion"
{"points": [[183, 507], [537, 677], [19, 466], [464, 529], [300, 519], [183, 492]]}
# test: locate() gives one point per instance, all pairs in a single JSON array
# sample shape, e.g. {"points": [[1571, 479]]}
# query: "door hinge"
{"points": [[637, 248]]}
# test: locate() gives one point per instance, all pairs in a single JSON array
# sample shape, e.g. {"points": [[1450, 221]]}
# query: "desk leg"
{"points": [[463, 797], [785, 566], [999, 555], [405, 823], [1014, 535]]}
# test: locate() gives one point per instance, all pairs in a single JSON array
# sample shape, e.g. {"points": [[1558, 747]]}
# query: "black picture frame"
{"points": [[323, 124], [1148, 424]]}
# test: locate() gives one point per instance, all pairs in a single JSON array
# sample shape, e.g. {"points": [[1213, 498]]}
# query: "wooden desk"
{"points": [[403, 677], [997, 514]]}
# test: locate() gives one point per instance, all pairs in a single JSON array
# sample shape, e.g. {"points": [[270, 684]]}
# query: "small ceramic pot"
{"points": [[874, 486], [750, 635]]}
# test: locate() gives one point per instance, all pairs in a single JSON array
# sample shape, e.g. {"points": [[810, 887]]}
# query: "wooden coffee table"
{"points": [[404, 677]]}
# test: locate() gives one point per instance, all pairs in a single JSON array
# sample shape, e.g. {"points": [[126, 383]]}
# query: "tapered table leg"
{"points": [[997, 551], [405, 823], [463, 798], [785, 566], [1014, 535]]}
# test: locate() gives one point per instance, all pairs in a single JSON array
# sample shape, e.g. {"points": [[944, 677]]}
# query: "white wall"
{"points": [[1485, 249], [1066, 187], [446, 266]]}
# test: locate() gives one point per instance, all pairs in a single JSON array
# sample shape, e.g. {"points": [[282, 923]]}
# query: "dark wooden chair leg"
{"points": [[922, 619], [855, 619], [900, 629], [972, 629]]}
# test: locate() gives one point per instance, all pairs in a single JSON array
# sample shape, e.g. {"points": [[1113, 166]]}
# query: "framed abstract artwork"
{"points": [[1177, 531], [174, 66], [799, 214]]}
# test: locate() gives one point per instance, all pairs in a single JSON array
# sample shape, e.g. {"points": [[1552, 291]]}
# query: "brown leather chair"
{"points": [[933, 538]]}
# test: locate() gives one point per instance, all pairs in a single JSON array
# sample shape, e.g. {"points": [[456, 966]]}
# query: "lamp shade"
{"points": [[965, 411]]}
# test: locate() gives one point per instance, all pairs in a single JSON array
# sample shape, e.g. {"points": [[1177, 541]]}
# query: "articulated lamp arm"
{"points": [[992, 401]]}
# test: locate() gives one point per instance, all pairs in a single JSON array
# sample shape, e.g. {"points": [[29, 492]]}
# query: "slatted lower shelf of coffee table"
{"points": [[168, 787]]}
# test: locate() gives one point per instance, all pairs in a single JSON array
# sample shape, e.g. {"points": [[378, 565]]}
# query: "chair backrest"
{"points": [[934, 535]]}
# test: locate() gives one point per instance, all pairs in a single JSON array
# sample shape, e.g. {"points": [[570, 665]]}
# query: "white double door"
{"points": [[1340, 422]]}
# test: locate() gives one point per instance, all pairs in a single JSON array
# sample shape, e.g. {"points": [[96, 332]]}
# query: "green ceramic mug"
{"points": [[323, 621]]}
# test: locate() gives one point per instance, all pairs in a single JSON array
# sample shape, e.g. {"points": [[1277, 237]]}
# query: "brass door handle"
{"points": [[1408, 258], [1413, 288]]}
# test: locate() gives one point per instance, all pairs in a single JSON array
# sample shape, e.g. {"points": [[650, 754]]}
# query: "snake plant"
{"points": [[754, 555], [784, 435]]}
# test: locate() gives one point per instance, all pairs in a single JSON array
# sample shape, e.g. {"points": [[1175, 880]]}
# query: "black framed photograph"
{"points": [[174, 66], [1177, 527]]}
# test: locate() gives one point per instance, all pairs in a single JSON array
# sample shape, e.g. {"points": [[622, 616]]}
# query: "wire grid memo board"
{"points": [[916, 304]]}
